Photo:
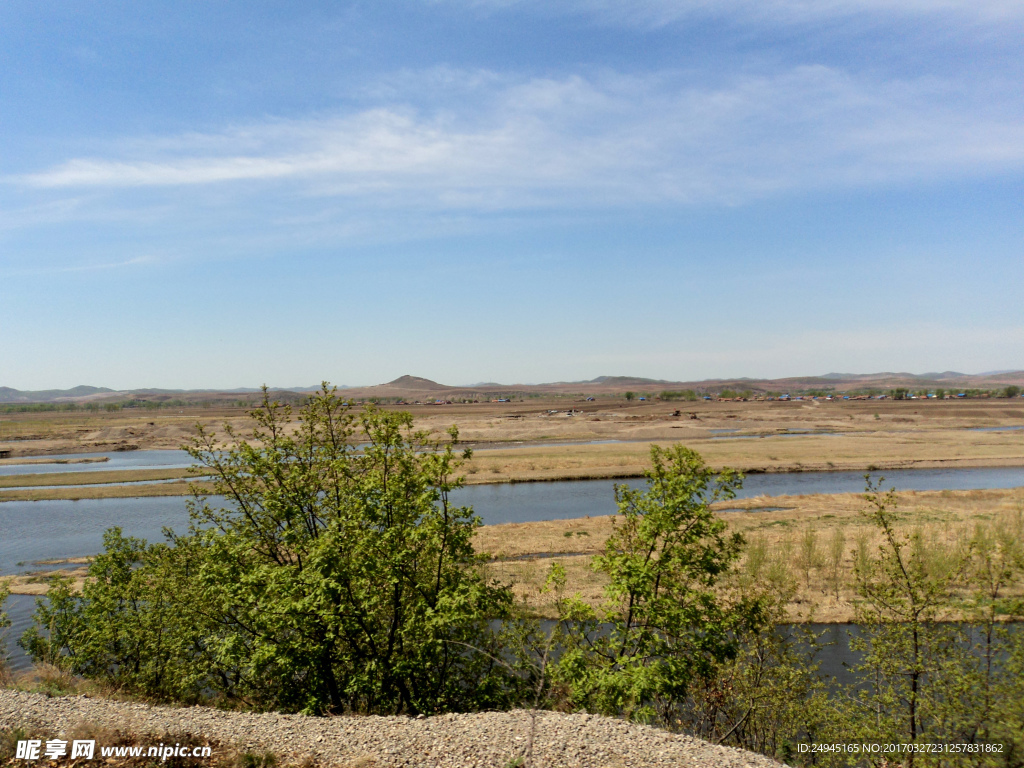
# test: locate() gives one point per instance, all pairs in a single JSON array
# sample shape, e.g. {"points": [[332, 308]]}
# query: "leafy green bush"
{"points": [[335, 580]]}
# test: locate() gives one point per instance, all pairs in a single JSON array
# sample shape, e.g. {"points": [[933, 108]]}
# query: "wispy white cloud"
{"points": [[102, 266], [593, 141]]}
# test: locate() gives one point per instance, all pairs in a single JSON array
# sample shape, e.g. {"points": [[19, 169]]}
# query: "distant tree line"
{"points": [[684, 394], [120, 405], [297, 399]]}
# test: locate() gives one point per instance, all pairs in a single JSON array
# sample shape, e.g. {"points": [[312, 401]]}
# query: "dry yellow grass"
{"points": [[90, 478], [940, 448], [38, 582], [886, 433], [103, 491], [943, 516]]}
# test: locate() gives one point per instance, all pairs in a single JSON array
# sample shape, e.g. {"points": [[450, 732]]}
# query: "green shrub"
{"points": [[335, 581]]}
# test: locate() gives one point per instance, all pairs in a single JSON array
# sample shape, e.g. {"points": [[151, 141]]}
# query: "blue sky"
{"points": [[218, 194]]}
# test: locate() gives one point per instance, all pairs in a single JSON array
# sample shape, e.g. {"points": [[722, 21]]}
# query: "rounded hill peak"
{"points": [[415, 382]]}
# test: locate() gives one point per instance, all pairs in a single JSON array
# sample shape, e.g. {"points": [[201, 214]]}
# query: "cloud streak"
{"points": [[79, 268], [593, 141]]}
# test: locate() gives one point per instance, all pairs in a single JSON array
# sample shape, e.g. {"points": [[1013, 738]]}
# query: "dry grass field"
{"points": [[562, 438], [779, 548], [927, 446], [58, 432], [37, 582], [91, 478], [74, 493]]}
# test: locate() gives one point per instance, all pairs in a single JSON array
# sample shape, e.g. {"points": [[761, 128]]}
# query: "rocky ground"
{"points": [[492, 739]]}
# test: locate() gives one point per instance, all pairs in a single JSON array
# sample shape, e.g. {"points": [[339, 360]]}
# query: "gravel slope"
{"points": [[456, 741]]}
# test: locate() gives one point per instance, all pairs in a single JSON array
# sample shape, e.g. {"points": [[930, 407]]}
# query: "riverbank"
{"points": [[780, 452], [54, 460], [115, 477], [107, 491]]}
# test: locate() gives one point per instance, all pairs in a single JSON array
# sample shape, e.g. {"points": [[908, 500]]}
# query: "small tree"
{"points": [[630, 395], [904, 590], [836, 550], [369, 566], [665, 625], [1011, 391], [808, 556]]}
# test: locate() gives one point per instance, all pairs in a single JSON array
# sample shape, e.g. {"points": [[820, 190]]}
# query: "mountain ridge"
{"points": [[409, 386]]}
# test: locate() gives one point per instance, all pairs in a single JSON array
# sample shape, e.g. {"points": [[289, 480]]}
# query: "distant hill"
{"points": [[85, 394], [8, 395], [943, 376], [414, 388], [414, 383]]}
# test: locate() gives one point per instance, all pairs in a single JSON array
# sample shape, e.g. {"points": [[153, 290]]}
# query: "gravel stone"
{"points": [[483, 739]]}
